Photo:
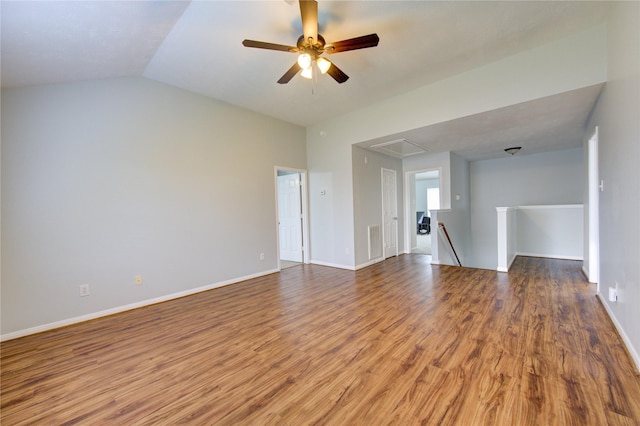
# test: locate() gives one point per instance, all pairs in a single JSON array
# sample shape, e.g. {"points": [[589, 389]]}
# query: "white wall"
{"points": [[460, 229], [455, 215], [617, 116], [507, 230], [547, 178], [102, 181], [367, 197], [330, 200], [571, 63], [550, 231]]}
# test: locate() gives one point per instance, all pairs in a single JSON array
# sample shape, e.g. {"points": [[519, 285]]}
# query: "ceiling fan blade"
{"points": [[337, 74], [269, 46], [289, 74], [309, 15], [362, 42]]}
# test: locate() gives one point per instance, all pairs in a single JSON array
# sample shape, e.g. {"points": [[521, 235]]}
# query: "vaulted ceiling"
{"points": [[197, 46]]}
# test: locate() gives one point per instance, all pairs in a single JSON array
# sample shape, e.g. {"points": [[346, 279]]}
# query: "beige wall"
{"points": [[106, 180], [617, 116]]}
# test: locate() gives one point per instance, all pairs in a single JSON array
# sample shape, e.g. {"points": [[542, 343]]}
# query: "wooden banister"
{"points": [[443, 231]]}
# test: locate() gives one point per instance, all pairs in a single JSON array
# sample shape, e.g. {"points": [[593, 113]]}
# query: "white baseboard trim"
{"points": [[503, 269], [369, 263], [586, 275], [625, 339], [333, 265], [136, 305]]}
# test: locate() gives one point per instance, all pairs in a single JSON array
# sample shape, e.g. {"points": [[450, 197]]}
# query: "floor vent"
{"points": [[375, 242]]}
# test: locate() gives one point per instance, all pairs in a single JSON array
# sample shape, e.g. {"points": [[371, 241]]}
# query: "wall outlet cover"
{"points": [[84, 290]]}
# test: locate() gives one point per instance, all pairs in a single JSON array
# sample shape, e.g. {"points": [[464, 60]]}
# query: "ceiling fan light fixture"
{"points": [[304, 60], [307, 72], [311, 45], [323, 65]]}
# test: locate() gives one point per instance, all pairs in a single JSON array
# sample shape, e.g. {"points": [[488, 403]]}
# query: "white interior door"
{"points": [[389, 213], [290, 217]]}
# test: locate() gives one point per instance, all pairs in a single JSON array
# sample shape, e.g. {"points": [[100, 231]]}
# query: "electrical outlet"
{"points": [[138, 279], [84, 290], [261, 256]]}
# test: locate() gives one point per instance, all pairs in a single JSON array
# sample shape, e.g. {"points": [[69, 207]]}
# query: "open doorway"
{"points": [[291, 215], [423, 195]]}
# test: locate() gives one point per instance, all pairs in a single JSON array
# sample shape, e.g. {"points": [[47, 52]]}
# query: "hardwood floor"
{"points": [[401, 342]]}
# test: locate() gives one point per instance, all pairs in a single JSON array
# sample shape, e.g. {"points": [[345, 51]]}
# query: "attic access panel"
{"points": [[399, 148]]}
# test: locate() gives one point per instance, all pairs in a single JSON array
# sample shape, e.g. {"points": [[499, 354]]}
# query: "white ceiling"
{"points": [[197, 46], [546, 124]]}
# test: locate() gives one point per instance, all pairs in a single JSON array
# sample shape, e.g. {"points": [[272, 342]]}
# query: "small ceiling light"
{"points": [[323, 65], [513, 150], [304, 60], [307, 72]]}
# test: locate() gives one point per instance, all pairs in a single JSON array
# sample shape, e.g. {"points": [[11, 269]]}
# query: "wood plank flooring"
{"points": [[401, 342]]}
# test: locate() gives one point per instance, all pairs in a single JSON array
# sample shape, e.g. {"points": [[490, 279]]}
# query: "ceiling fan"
{"points": [[311, 46]]}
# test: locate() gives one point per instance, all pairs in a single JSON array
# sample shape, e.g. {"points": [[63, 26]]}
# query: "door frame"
{"points": [[410, 207], [593, 235], [304, 207]]}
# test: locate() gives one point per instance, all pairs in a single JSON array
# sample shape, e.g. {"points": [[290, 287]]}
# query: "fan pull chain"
{"points": [[314, 77]]}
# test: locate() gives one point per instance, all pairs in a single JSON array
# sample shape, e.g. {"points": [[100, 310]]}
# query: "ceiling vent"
{"points": [[399, 148]]}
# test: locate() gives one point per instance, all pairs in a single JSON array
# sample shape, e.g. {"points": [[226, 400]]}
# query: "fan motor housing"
{"points": [[315, 49]]}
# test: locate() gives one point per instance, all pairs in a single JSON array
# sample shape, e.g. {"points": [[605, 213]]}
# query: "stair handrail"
{"points": [[442, 231]]}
